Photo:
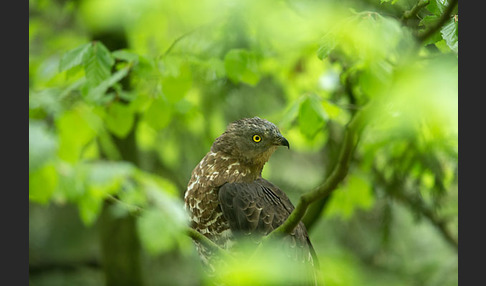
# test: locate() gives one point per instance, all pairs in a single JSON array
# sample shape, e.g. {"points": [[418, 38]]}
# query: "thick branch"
{"points": [[443, 18], [415, 9]]}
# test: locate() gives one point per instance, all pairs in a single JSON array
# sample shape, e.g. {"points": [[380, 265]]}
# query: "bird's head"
{"points": [[250, 140]]}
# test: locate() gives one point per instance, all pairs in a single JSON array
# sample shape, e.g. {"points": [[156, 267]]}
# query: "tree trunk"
{"points": [[120, 244]]}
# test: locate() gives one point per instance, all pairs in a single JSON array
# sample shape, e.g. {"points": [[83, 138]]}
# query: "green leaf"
{"points": [[377, 76], [74, 57], [42, 183], [96, 94], [125, 55], [449, 33], [119, 119], [355, 193], [437, 7], [158, 232], [89, 208], [106, 173], [427, 22], [290, 114], [312, 117], [158, 115], [74, 133], [163, 227], [177, 84], [328, 44], [332, 110], [42, 145], [108, 146], [242, 66], [72, 182], [100, 179], [97, 64]]}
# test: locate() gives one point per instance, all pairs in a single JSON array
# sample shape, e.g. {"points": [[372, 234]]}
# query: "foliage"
{"points": [[126, 124]]}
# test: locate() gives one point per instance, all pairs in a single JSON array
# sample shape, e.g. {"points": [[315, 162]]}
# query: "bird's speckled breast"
{"points": [[201, 197]]}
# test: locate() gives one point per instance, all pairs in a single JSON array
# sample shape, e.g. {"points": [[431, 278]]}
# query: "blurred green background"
{"points": [[125, 98]]}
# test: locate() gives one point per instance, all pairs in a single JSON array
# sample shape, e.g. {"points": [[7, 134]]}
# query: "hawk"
{"points": [[227, 196]]}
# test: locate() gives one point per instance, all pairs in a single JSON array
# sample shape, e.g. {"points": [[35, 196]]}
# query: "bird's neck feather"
{"points": [[223, 168]]}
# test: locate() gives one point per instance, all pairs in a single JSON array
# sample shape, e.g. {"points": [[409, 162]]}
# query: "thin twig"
{"points": [[197, 236], [133, 209], [415, 201]]}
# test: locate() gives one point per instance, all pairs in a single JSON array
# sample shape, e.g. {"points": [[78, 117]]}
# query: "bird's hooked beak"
{"points": [[282, 141]]}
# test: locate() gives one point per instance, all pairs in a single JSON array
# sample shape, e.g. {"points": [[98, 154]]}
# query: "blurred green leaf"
{"points": [[328, 44], [158, 232], [176, 84], [42, 145], [291, 113], [366, 38], [158, 115], [74, 57], [450, 34], [312, 116], [107, 145], [97, 63], [355, 193], [42, 183], [375, 77], [332, 110], [161, 227], [72, 182], [126, 55], [89, 208], [74, 133], [119, 119], [88, 184], [242, 66], [96, 93], [267, 264], [107, 174]]}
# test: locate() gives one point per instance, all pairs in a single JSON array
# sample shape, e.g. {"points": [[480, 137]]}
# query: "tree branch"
{"points": [[331, 153], [439, 223], [443, 18], [351, 136], [132, 209], [415, 9], [197, 236], [416, 202]]}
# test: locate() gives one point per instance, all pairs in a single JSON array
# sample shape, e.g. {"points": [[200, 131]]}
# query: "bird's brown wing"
{"points": [[259, 207]]}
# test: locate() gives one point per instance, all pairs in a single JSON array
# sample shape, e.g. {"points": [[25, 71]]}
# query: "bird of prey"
{"points": [[227, 196]]}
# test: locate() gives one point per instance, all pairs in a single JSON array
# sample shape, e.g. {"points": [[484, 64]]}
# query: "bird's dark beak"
{"points": [[282, 141]]}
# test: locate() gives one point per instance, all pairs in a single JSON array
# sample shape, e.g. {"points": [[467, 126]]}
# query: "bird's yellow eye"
{"points": [[257, 138]]}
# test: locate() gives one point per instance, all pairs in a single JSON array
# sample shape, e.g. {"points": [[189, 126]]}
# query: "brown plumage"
{"points": [[227, 196]]}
